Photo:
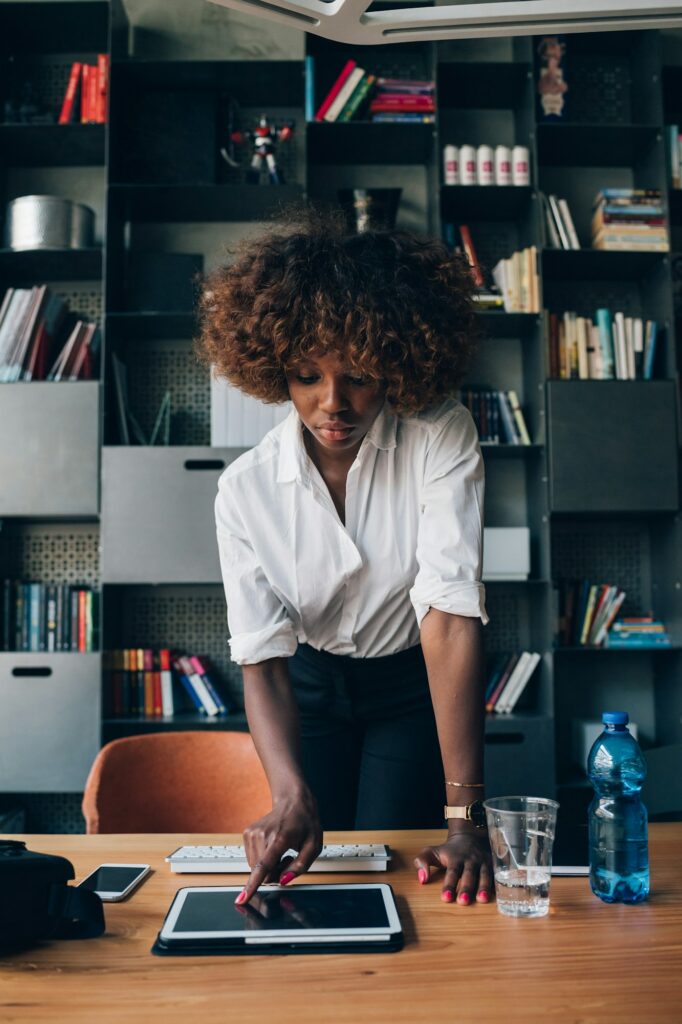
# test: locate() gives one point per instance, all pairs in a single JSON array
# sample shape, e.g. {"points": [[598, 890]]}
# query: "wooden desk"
{"points": [[586, 962]]}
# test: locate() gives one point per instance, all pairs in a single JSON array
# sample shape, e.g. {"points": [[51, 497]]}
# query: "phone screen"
{"points": [[111, 879]]}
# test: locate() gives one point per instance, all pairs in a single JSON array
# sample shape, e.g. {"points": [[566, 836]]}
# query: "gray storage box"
{"points": [[50, 721], [49, 448], [158, 523], [519, 755]]}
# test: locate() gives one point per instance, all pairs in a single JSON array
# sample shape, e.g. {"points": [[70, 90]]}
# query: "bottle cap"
{"points": [[615, 718]]}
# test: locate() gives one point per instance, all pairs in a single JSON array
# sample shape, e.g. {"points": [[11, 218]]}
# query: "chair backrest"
{"points": [[176, 782], [662, 789]]}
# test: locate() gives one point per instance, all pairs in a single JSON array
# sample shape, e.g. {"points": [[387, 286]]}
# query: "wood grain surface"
{"points": [[586, 962]]}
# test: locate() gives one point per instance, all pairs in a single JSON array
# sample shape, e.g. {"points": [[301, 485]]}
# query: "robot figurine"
{"points": [[263, 138]]}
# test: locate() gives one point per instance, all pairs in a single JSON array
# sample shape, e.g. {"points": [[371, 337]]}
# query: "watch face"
{"points": [[477, 814]]}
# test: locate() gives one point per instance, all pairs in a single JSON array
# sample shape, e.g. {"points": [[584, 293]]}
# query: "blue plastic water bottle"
{"points": [[619, 849]]}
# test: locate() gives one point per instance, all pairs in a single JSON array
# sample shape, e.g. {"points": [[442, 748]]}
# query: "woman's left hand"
{"points": [[466, 859]]}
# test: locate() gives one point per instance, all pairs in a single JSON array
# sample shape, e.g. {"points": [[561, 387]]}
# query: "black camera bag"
{"points": [[38, 904]]}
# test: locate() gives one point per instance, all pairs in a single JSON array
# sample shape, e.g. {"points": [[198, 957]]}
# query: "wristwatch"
{"points": [[474, 812]]}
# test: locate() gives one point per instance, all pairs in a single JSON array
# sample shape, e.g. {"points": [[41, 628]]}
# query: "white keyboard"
{"points": [[338, 857]]}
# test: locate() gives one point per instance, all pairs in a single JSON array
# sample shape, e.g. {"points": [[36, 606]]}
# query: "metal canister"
{"points": [[48, 222]]}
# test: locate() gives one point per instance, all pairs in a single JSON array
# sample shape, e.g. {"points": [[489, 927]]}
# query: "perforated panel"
{"points": [[599, 88], [50, 552], [584, 297], [506, 609], [608, 552], [155, 367], [58, 813], [83, 297], [189, 618], [495, 240], [48, 81]]}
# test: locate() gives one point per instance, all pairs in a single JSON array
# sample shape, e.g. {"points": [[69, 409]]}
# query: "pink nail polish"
{"points": [[241, 897], [483, 896], [422, 875], [286, 877], [464, 898], [447, 896]]}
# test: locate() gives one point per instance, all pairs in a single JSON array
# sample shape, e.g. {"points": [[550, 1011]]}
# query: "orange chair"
{"points": [[176, 782]]}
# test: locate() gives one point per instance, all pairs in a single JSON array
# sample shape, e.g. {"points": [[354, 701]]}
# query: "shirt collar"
{"points": [[293, 457]]}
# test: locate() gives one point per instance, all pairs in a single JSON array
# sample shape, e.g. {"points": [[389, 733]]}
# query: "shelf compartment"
{"points": [[519, 754], [595, 145], [201, 203], [52, 145], [49, 448], [24, 268], [157, 513], [156, 326], [255, 83], [612, 446], [482, 85], [50, 725], [464, 203], [500, 324], [364, 142], [595, 264]]}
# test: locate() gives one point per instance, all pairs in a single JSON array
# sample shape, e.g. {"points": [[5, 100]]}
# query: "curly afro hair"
{"points": [[396, 306]]}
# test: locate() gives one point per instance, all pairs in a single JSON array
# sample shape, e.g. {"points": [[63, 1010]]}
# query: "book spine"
{"points": [[102, 87], [357, 99], [34, 634], [335, 89], [344, 94], [85, 93], [309, 88], [470, 252], [82, 613], [67, 112]]}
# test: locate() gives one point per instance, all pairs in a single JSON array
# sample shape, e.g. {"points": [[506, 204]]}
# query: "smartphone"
{"points": [[113, 882]]}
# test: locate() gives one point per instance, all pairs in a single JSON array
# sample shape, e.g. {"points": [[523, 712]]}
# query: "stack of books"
{"points": [[49, 617], [629, 218], [40, 339], [614, 346], [508, 677], [348, 95], [403, 100], [152, 684], [561, 233], [642, 631], [586, 612], [519, 282], [497, 415]]}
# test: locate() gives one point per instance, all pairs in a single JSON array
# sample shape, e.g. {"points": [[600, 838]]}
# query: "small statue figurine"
{"points": [[263, 138]]}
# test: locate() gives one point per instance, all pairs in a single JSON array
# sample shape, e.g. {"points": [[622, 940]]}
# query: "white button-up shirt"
{"points": [[413, 538]]}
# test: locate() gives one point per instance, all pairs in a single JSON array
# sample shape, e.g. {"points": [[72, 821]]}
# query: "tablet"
{"points": [[570, 854], [299, 918]]}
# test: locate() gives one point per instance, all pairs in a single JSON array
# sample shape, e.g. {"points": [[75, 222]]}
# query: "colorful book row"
{"points": [[497, 415], [49, 617], [85, 98], [153, 684], [610, 347]]}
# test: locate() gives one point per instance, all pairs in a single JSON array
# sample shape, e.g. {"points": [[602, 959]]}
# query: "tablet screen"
{"points": [[297, 908]]}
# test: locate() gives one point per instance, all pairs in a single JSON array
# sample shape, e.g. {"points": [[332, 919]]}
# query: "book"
{"points": [[512, 680], [186, 667], [551, 229], [605, 329], [502, 682], [71, 101], [167, 703], [102, 88], [356, 101], [470, 253], [202, 669], [344, 94], [334, 91], [560, 226], [518, 416], [649, 349], [516, 685], [309, 76], [568, 223]]}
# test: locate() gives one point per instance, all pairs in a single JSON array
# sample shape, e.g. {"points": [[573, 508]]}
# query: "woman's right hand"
{"points": [[293, 823]]}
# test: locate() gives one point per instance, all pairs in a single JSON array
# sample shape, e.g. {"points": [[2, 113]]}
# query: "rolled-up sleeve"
{"points": [[450, 535], [259, 625]]}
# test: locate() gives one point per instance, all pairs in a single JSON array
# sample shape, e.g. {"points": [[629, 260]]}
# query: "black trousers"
{"points": [[369, 741]]}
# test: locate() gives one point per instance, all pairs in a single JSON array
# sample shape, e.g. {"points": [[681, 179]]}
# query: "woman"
{"points": [[350, 542]]}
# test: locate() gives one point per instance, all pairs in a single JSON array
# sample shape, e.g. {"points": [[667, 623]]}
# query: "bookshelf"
{"points": [[139, 523]]}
